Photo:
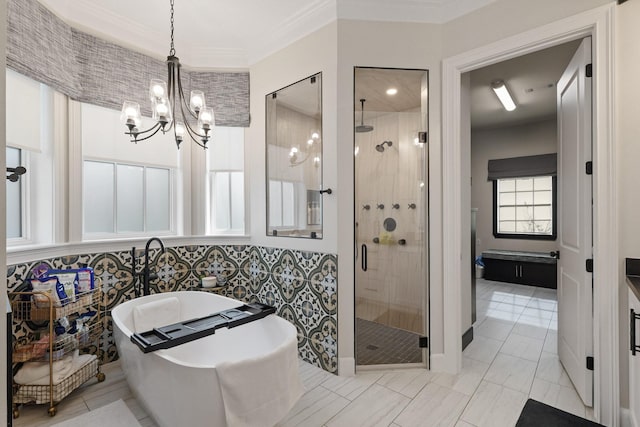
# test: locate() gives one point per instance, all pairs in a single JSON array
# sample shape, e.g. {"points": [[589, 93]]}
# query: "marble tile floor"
{"points": [[513, 356]]}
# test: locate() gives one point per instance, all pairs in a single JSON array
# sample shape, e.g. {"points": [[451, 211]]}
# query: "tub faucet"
{"points": [[146, 274]]}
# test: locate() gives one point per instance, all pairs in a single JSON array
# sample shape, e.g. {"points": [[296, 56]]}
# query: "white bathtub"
{"points": [[180, 386]]}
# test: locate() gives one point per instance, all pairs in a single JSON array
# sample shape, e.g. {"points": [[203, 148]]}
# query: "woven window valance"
{"points": [[43, 47], [515, 167]]}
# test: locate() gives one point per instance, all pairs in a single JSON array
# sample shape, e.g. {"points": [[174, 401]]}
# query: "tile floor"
{"points": [[379, 344], [512, 357]]}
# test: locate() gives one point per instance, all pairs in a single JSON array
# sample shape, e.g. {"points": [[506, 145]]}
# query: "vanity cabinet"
{"points": [[634, 360], [526, 268]]}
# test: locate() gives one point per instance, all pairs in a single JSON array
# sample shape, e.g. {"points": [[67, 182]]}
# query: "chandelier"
{"points": [[170, 108]]}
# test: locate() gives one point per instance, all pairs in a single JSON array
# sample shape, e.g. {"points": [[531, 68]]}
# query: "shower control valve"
{"points": [[412, 205], [395, 206], [380, 206], [366, 207]]}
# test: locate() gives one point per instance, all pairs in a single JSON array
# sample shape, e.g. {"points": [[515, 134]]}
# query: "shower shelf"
{"points": [[193, 329]]}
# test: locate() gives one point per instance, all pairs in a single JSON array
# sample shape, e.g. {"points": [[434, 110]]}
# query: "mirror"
{"points": [[294, 159]]}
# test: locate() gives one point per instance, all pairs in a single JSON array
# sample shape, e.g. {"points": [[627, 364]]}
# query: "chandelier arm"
{"points": [[144, 131], [157, 126], [191, 133], [184, 100]]}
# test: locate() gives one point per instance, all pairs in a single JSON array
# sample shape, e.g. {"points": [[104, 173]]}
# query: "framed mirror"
{"points": [[294, 159]]}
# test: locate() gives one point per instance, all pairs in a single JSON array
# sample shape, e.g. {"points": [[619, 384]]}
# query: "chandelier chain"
{"points": [[172, 51]]}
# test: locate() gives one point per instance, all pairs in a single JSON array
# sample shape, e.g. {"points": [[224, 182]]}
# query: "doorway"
{"points": [[598, 24], [390, 160]]}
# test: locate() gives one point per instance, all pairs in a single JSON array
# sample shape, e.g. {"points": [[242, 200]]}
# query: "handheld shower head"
{"points": [[380, 147]]}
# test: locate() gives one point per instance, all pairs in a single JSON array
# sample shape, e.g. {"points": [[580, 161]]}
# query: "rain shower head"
{"points": [[380, 147], [362, 127]]}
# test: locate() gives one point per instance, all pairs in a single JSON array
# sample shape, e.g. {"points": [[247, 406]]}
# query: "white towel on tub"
{"points": [[260, 391], [156, 314]]}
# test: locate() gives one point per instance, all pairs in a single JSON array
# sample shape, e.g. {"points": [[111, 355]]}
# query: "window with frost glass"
{"points": [[226, 181], [126, 199], [525, 207]]}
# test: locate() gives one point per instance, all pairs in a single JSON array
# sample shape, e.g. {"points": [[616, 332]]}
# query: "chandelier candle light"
{"points": [[166, 102]]}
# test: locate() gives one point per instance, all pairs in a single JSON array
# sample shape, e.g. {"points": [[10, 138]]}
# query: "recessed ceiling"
{"points": [[237, 33], [531, 80]]}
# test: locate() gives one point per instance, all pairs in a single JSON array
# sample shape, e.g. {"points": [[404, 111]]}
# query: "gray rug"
{"points": [[116, 414], [378, 344]]}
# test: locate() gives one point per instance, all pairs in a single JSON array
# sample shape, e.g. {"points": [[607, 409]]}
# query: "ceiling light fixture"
{"points": [[503, 95], [167, 103], [392, 91]]}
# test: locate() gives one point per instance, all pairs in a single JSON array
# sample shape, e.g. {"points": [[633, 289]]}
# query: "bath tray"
{"points": [[189, 330]]}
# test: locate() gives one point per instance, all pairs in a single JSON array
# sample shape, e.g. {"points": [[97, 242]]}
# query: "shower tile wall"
{"points": [[301, 285], [387, 292]]}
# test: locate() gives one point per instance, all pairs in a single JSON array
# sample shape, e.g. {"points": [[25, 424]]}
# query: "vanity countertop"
{"points": [[524, 256], [632, 270]]}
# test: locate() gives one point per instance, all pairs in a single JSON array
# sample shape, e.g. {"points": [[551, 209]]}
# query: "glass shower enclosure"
{"points": [[391, 213]]}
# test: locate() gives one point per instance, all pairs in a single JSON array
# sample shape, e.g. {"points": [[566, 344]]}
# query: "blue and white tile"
{"points": [[494, 405], [512, 372], [434, 405], [377, 406]]}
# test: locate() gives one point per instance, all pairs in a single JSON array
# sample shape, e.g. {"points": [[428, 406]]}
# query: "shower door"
{"points": [[391, 213]]}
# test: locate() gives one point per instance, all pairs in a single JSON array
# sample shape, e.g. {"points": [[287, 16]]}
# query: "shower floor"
{"points": [[378, 344]]}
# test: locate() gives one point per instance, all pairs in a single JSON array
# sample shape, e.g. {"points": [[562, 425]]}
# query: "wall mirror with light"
{"points": [[294, 159]]}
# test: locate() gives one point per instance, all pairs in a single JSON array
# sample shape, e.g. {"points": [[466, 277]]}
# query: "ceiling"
{"points": [[237, 33], [531, 80], [233, 34]]}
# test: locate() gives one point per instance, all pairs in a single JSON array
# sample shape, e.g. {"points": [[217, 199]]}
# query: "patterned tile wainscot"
{"points": [[301, 285]]}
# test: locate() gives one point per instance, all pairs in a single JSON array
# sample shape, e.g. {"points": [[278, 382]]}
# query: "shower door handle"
{"points": [[363, 252]]}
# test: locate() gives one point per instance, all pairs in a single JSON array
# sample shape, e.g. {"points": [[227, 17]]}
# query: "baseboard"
{"points": [[467, 337], [346, 366]]}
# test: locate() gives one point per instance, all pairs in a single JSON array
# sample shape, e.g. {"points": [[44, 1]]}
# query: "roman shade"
{"points": [[516, 167], [88, 69]]}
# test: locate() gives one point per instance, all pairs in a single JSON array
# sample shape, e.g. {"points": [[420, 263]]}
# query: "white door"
{"points": [[575, 292]]}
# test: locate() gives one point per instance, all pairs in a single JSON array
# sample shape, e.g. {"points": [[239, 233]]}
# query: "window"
{"points": [[15, 198], [128, 189], [525, 207], [126, 199], [31, 201], [226, 181]]}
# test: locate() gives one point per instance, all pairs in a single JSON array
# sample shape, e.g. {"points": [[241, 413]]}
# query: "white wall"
{"points": [[465, 202], [503, 18], [627, 123], [501, 143], [393, 45], [314, 53], [3, 212]]}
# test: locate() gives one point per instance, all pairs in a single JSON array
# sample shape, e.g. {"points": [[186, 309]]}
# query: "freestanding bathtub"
{"points": [[180, 385]]}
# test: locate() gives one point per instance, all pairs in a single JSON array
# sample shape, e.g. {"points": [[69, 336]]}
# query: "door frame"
{"points": [[597, 23]]}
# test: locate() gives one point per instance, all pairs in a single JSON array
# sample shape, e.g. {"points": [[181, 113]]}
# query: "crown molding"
{"points": [[96, 19], [306, 21]]}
